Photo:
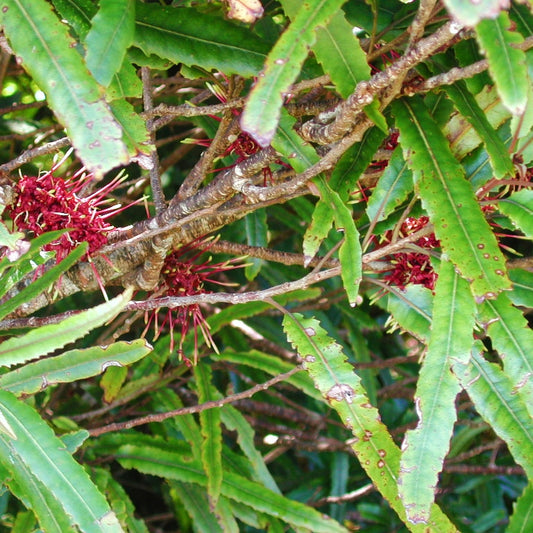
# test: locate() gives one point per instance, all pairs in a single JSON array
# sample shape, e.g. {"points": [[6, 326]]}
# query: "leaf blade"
{"points": [[49, 55], [450, 202]]}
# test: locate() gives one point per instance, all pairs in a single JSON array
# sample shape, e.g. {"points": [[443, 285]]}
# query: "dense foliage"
{"points": [[266, 266]]}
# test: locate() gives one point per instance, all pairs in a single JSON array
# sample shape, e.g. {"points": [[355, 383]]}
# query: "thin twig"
{"points": [[159, 417]]}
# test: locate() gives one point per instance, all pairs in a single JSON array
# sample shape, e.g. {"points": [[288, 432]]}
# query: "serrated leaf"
{"points": [[42, 282], [262, 112], [459, 224], [342, 389], [49, 55], [461, 134], [136, 136], [46, 339], [111, 34], [507, 65], [521, 521], [512, 337], [470, 13], [519, 208], [425, 447], [392, 188], [38, 450], [185, 35], [350, 252], [411, 309], [72, 366], [211, 433], [469, 108], [492, 393], [170, 464]]}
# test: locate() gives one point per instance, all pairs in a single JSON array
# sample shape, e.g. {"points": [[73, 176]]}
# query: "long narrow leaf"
{"points": [[50, 56], [211, 433], [46, 339], [448, 198], [185, 35], [522, 518], [262, 112], [171, 464], [425, 447], [507, 65], [350, 252], [34, 446], [512, 337], [519, 208], [470, 109], [110, 36], [72, 366], [342, 389], [492, 393]]}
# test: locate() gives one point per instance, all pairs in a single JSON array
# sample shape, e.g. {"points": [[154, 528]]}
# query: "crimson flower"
{"points": [[185, 273], [414, 267], [46, 203]]}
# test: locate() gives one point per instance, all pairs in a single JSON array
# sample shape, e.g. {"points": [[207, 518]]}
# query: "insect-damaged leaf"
{"points": [[459, 224], [341, 387]]}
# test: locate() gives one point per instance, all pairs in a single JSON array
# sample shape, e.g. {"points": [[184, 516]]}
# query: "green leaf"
{"points": [[300, 154], [256, 235], [469, 108], [110, 36], [170, 464], [195, 502], [459, 224], [272, 366], [342, 389], [392, 188], [46, 339], [462, 135], [262, 112], [42, 282], [521, 520], [507, 65], [470, 13], [235, 421], [522, 293], [16, 270], [339, 52], [136, 136], [72, 365], [425, 447], [119, 500], [411, 309], [56, 475], [494, 398], [350, 253], [49, 55], [185, 35], [211, 433], [519, 208], [512, 337]]}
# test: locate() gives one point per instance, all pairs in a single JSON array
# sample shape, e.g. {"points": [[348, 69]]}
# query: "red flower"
{"points": [[414, 267], [185, 275], [46, 203]]}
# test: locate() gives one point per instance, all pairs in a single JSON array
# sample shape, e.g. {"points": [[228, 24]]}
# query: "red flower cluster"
{"points": [[414, 267], [46, 203], [185, 275]]}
